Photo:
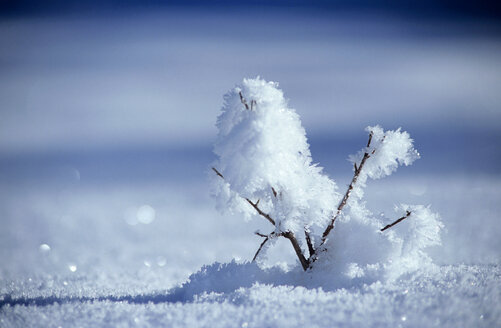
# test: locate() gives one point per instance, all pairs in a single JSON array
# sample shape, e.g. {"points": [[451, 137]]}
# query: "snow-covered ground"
{"points": [[92, 256], [105, 213]]}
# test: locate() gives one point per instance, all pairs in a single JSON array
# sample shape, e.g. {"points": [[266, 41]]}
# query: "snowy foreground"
{"points": [[236, 295], [85, 255]]}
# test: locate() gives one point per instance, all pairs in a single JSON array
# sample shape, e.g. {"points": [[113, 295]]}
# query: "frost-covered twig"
{"points": [[288, 234], [348, 192], [307, 236], [244, 102], [255, 205], [258, 210], [397, 221]]}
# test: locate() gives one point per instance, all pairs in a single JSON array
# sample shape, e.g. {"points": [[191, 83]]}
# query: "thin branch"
{"points": [[299, 252], [271, 235], [397, 221], [311, 250], [289, 235], [370, 139], [255, 205], [348, 192], [218, 173], [242, 99], [260, 248], [266, 216], [274, 192]]}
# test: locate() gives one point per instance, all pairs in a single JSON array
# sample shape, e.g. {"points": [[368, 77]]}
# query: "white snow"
{"points": [[85, 226], [263, 155]]}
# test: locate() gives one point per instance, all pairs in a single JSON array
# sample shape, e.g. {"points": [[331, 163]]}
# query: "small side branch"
{"points": [[266, 216], [255, 205], [218, 173], [260, 248], [243, 101], [397, 221]]}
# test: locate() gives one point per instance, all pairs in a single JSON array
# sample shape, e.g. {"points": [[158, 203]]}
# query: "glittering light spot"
{"points": [[404, 318], [161, 261], [72, 267], [145, 214], [44, 248], [406, 291], [65, 283], [245, 324], [417, 190], [147, 263]]}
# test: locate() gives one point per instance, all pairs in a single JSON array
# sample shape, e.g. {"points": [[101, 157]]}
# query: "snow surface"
{"points": [[104, 269]]}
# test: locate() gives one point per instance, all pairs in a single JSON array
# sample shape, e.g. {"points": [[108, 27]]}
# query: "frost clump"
{"points": [[263, 155], [264, 168]]}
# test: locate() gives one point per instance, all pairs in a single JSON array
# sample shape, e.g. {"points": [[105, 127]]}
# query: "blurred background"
{"points": [[107, 113]]}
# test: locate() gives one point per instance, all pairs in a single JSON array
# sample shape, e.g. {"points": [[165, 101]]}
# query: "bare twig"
{"points": [[255, 205], [242, 99], [311, 250], [348, 192], [397, 221], [274, 192], [260, 248], [299, 252], [218, 173], [266, 216]]}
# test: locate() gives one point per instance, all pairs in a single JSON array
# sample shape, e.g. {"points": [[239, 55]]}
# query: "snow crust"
{"points": [[120, 283], [449, 296]]}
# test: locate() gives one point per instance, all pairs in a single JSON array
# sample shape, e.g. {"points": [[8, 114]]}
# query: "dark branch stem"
{"points": [[311, 250], [218, 173], [348, 192], [242, 99], [255, 205], [397, 221], [266, 216], [299, 252], [260, 248]]}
